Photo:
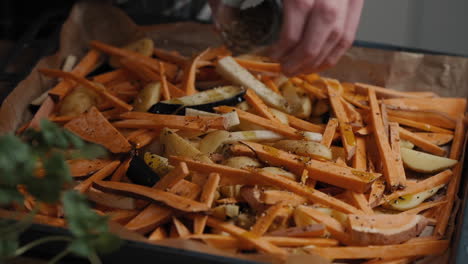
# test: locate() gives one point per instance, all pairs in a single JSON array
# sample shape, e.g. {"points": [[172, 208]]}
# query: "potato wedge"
{"points": [[212, 141], [147, 97], [241, 162], [175, 145], [143, 46], [299, 103], [406, 144], [305, 148], [280, 172], [78, 101], [410, 201], [424, 162], [282, 117]]}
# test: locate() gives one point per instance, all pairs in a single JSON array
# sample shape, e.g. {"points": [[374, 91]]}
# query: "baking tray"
{"points": [[148, 253]]}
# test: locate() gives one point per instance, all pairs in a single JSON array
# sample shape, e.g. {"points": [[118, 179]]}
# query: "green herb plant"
{"points": [[47, 150]]}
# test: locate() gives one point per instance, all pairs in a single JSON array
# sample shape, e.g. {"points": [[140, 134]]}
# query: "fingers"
{"points": [[294, 19], [322, 32]]}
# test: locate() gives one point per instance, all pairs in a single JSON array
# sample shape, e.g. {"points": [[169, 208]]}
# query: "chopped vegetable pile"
{"points": [[230, 152]]}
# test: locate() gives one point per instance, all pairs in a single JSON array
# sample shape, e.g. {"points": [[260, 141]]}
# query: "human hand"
{"points": [[315, 34]]}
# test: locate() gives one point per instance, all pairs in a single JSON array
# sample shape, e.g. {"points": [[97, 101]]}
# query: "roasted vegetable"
{"points": [[409, 201], [78, 101], [425, 162], [143, 46], [305, 148], [148, 96], [140, 173]]}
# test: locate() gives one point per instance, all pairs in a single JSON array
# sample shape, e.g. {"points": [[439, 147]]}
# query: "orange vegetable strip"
{"points": [[395, 145], [360, 159], [384, 115], [428, 117], [181, 229], [421, 186], [259, 242], [422, 248], [190, 70], [44, 112], [122, 216], [263, 122], [111, 76], [259, 106], [453, 107], [329, 132], [392, 177], [256, 177], [272, 197], [382, 92], [343, 177], [353, 115], [422, 143], [424, 206], [259, 65], [377, 192], [303, 125], [172, 200], [180, 172], [419, 125], [139, 70], [81, 167], [23, 128], [335, 228], [93, 86], [455, 153], [310, 88], [191, 123], [121, 170], [36, 218], [85, 66], [158, 234], [266, 219], [83, 186], [435, 138], [270, 84], [135, 133], [149, 218], [165, 88], [171, 56], [347, 136], [207, 196], [144, 139], [130, 55]]}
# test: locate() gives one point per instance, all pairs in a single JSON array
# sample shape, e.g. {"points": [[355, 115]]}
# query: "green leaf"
{"points": [[16, 162], [74, 140], [81, 247], [107, 242], [9, 194], [53, 135], [8, 245], [88, 151]]}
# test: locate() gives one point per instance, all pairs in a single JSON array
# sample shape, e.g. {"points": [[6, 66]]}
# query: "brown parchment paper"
{"points": [[447, 76]]}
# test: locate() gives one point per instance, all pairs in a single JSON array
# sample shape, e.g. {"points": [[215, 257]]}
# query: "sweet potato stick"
{"points": [[172, 200], [158, 234], [424, 248], [382, 92], [270, 84], [259, 242], [353, 115], [44, 112], [171, 56], [85, 66], [335, 228], [151, 217], [112, 76], [426, 184], [346, 178], [207, 197], [162, 75], [100, 175], [420, 142], [377, 192], [93, 86], [188, 82], [392, 177], [121, 170], [259, 65], [435, 138], [263, 122], [310, 88], [384, 116], [122, 216], [419, 125], [455, 153], [144, 138], [395, 146], [255, 177], [180, 228], [272, 197], [303, 125], [429, 117], [186, 123], [329, 132], [130, 55], [347, 135], [259, 106], [36, 218], [81, 167], [266, 219], [178, 173]]}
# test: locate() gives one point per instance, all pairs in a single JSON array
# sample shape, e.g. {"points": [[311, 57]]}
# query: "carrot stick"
{"points": [[385, 152], [100, 175], [259, 66], [171, 56], [172, 200], [259, 106], [455, 153], [347, 135], [266, 219], [121, 170], [422, 143], [259, 242], [419, 125], [303, 125], [270, 84], [188, 82], [421, 186], [329, 132], [207, 196], [93, 86], [310, 88], [395, 146], [112, 76], [263, 122], [162, 75], [180, 172], [435, 138], [423, 248], [191, 123], [127, 54], [85, 66]]}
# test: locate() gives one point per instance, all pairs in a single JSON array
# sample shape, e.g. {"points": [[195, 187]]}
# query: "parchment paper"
{"points": [[447, 76]]}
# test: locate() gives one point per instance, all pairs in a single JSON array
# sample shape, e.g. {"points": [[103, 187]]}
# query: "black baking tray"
{"points": [[147, 253]]}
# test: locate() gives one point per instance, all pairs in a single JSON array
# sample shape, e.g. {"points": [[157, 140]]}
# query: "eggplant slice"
{"points": [[204, 101], [140, 173]]}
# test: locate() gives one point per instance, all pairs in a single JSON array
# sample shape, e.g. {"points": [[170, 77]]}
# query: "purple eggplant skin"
{"points": [[140, 173]]}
